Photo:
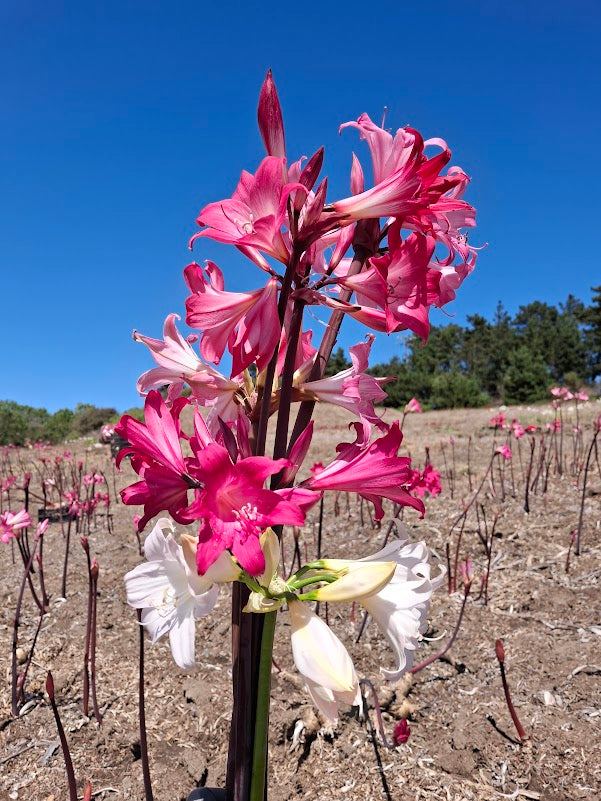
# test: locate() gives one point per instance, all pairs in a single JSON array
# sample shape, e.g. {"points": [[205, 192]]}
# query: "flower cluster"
{"points": [[383, 256]]}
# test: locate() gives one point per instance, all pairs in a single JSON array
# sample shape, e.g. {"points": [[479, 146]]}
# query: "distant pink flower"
{"points": [[413, 406], [374, 471], [504, 451], [517, 430], [12, 523], [426, 481], [106, 432], [498, 421], [467, 572], [555, 426], [531, 429], [580, 396]]}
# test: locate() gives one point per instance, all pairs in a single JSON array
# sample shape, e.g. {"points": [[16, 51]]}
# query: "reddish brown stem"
{"points": [[63, 739], [440, 654], [500, 652]]}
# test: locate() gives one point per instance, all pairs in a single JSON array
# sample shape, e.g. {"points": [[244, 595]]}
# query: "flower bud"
{"points": [[359, 581]]}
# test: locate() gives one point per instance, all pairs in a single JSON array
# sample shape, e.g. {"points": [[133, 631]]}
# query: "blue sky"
{"points": [[119, 121]]}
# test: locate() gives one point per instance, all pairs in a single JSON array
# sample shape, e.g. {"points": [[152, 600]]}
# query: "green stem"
{"points": [[259, 764]]}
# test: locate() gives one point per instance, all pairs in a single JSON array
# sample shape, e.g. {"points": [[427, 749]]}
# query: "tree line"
{"points": [[507, 360]]}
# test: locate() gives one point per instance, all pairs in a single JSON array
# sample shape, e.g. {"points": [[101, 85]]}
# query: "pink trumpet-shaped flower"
{"points": [[427, 481], [12, 523], [236, 508], [413, 406], [504, 451], [178, 363], [217, 313], [517, 429], [374, 471], [254, 216], [156, 456], [353, 388], [389, 154]]}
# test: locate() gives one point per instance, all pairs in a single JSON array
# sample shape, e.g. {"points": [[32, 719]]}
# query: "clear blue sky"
{"points": [[119, 121]]}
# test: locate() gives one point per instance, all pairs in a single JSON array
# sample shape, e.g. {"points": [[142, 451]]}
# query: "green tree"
{"points": [[591, 317], [59, 425], [527, 377], [453, 390]]}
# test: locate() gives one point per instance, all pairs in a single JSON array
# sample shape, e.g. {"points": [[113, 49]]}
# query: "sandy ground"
{"points": [[462, 745]]}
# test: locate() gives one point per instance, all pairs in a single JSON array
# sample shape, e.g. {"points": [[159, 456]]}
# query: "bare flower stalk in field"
{"points": [[500, 652], [63, 739], [14, 683], [592, 447], [94, 571]]}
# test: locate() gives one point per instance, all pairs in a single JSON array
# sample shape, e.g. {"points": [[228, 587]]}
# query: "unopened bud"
{"points": [[50, 686], [500, 651], [401, 732]]}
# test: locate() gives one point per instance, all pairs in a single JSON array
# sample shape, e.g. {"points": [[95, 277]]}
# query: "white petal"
{"points": [[145, 582], [155, 623], [154, 544], [318, 653], [181, 639], [203, 604]]}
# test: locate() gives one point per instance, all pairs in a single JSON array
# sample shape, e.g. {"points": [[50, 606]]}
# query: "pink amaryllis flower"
{"points": [[413, 406], [426, 481], [504, 451], [353, 388], [400, 283], [517, 429], [244, 321], [156, 456], [236, 507], [179, 364], [389, 154], [374, 471], [254, 216], [11, 523]]}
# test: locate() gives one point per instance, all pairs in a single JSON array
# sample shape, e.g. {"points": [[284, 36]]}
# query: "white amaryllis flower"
{"points": [[323, 662], [401, 608], [400, 605], [169, 591]]}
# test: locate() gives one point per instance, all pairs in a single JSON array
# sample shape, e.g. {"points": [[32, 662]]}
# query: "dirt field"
{"points": [[463, 744]]}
